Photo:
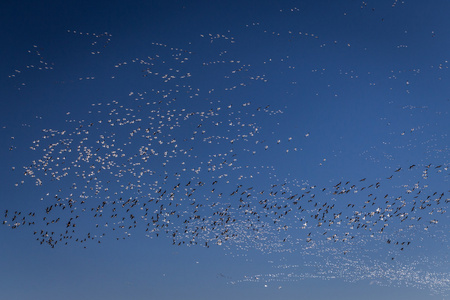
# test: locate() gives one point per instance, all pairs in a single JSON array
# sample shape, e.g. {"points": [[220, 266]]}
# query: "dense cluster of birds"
{"points": [[192, 163]]}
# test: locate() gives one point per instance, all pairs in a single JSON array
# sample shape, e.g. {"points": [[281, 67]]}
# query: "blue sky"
{"points": [[239, 149]]}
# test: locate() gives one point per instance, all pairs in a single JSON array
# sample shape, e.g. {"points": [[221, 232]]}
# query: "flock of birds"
{"points": [[188, 164]]}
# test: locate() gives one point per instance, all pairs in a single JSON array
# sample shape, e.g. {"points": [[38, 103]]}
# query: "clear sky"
{"points": [[224, 149]]}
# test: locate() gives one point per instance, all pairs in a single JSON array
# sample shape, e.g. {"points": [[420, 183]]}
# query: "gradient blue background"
{"points": [[353, 90]]}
